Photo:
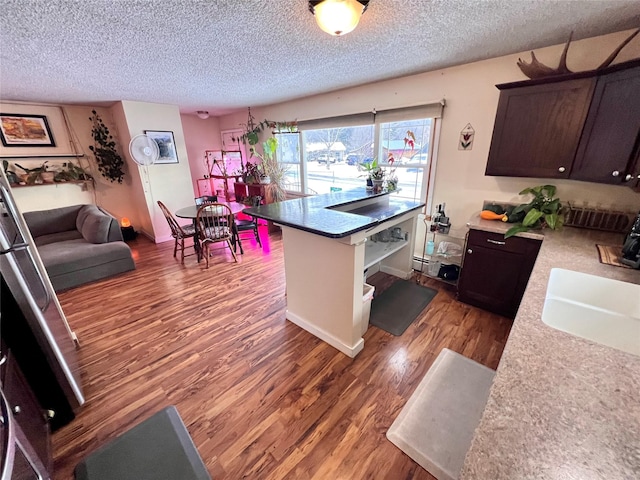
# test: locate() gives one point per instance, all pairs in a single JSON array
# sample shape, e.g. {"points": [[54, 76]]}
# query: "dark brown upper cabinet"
{"points": [[609, 140], [582, 126], [538, 128]]}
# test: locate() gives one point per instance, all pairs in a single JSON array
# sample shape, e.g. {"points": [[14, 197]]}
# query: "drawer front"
{"points": [[26, 411], [497, 241]]}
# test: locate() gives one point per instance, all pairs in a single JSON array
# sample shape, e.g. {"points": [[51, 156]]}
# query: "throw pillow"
{"points": [[93, 224]]}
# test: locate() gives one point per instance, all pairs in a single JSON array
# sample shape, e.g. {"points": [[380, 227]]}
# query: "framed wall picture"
{"points": [[18, 130], [166, 145]]}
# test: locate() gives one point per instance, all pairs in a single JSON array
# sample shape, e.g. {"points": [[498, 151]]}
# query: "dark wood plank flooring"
{"points": [[262, 398]]}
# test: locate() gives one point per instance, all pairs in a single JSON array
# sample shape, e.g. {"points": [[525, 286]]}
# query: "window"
{"points": [[332, 149], [333, 155], [288, 153], [411, 166]]}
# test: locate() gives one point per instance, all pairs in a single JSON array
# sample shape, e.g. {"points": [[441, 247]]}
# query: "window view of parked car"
{"points": [[326, 159], [352, 159]]}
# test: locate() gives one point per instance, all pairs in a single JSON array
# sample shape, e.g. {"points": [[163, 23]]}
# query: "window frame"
{"points": [[432, 110]]}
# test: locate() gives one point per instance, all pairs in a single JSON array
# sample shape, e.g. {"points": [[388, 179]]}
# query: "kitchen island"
{"points": [[560, 407], [327, 247]]}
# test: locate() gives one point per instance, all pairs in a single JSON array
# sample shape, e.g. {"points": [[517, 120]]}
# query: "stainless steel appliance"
{"points": [[18, 461], [631, 247], [33, 323]]}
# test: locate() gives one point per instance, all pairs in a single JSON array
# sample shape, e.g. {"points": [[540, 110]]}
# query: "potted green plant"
{"points": [[11, 175], [375, 174], [542, 211], [272, 169], [31, 176], [110, 163], [71, 172]]}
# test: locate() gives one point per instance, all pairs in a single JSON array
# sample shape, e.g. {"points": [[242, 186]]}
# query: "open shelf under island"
{"points": [[326, 251]]}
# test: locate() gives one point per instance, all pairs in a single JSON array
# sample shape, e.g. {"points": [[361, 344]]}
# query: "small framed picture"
{"points": [[166, 145], [18, 130]]}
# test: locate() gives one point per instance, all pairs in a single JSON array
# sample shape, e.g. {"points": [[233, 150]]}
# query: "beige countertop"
{"points": [[561, 407]]}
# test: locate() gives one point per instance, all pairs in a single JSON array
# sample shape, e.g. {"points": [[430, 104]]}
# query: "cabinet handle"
{"points": [[628, 177], [615, 173], [16, 410], [561, 169], [50, 414], [469, 251], [3, 359], [495, 242]]}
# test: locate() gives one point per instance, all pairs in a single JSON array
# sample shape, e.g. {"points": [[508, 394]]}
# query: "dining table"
{"points": [[191, 212]]}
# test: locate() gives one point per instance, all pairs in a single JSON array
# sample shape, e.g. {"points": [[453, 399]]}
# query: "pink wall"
{"points": [[200, 135]]}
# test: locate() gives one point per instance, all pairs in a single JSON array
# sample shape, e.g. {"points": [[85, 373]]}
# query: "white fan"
{"points": [[144, 150]]}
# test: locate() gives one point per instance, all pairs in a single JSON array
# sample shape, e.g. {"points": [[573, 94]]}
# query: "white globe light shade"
{"points": [[338, 17]]}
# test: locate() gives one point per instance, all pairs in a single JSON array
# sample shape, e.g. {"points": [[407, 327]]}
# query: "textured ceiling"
{"points": [[223, 55]]}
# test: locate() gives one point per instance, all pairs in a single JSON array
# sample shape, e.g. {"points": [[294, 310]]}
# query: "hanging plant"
{"points": [[252, 130], [110, 163]]}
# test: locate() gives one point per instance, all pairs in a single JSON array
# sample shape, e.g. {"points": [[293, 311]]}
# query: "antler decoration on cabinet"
{"points": [[535, 69]]}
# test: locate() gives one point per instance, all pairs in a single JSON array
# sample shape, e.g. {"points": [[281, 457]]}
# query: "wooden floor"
{"points": [[262, 398]]}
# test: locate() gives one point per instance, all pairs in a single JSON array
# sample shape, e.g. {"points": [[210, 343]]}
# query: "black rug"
{"points": [[399, 305]]}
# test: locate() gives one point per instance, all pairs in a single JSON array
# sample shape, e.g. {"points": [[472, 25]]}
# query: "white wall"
{"points": [[169, 183], [471, 97], [42, 197], [200, 135], [136, 196]]}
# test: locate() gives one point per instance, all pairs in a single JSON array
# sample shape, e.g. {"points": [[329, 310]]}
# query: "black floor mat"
{"points": [[399, 305]]}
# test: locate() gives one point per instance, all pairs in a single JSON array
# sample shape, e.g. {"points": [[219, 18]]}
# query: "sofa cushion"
{"points": [[74, 255], [56, 220], [57, 237], [93, 224]]}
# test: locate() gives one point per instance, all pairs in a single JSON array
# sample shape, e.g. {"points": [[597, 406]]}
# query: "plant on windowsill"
{"points": [[110, 163], [542, 211]]}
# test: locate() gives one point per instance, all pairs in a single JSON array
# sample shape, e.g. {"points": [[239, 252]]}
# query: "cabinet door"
{"points": [[634, 171], [608, 143], [27, 412], [495, 271], [537, 129]]}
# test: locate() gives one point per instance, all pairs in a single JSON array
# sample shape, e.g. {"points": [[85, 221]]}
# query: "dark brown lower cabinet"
{"points": [[495, 271], [26, 411]]}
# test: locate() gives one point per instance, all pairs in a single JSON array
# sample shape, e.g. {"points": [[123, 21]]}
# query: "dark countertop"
{"points": [[320, 214]]}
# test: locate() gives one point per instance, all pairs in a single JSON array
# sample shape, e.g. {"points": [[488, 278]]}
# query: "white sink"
{"points": [[599, 309]]}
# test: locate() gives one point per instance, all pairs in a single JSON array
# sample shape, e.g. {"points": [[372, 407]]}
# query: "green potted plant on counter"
{"points": [[542, 211], [374, 173]]}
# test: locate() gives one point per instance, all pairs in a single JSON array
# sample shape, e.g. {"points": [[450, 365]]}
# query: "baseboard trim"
{"points": [[396, 272], [326, 337], [162, 239]]}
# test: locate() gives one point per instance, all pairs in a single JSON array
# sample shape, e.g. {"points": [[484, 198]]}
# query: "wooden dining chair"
{"points": [[214, 223], [250, 225], [178, 232]]}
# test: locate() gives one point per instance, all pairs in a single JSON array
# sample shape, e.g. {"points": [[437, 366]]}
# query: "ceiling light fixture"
{"points": [[338, 17], [203, 114]]}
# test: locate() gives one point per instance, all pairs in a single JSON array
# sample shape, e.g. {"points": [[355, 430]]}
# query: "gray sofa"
{"points": [[79, 244]]}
